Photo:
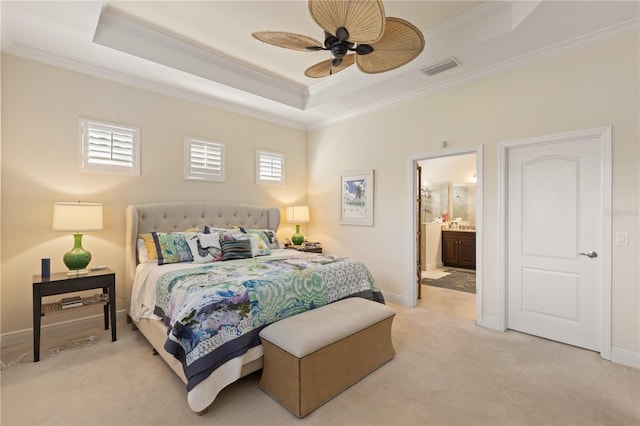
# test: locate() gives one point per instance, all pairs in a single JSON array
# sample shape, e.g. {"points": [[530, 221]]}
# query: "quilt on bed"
{"points": [[216, 311]]}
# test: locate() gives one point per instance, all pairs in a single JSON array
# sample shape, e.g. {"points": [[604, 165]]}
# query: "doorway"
{"points": [[449, 196]]}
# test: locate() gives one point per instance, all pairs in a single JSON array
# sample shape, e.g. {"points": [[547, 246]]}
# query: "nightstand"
{"points": [[61, 283], [317, 249]]}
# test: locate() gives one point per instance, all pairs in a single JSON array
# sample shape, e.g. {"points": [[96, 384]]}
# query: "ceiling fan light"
{"points": [[338, 50]]}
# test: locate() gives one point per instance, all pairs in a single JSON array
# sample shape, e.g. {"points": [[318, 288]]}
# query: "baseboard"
{"points": [[59, 328], [619, 356], [625, 357], [489, 322], [397, 299]]}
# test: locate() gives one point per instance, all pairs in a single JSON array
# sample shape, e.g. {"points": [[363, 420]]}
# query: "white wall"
{"points": [[455, 169], [41, 106], [592, 88]]}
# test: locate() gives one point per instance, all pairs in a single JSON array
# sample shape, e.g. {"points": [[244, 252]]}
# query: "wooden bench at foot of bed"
{"points": [[311, 357]]}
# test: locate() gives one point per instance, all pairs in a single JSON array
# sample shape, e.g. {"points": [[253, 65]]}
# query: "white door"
{"points": [[555, 217]]}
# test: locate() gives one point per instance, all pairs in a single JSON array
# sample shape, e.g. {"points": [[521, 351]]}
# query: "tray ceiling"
{"points": [[203, 50]]}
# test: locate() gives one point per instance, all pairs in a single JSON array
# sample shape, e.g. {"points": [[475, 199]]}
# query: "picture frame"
{"points": [[356, 198]]}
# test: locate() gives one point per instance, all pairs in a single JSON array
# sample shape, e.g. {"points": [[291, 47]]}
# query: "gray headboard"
{"points": [[180, 216]]}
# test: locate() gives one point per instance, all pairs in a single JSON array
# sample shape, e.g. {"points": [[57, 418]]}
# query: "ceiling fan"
{"points": [[355, 31]]}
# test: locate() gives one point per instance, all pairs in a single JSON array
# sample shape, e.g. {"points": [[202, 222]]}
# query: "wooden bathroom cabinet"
{"points": [[459, 249]]}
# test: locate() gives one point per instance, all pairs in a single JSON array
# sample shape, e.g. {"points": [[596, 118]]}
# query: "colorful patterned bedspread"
{"points": [[216, 311]]}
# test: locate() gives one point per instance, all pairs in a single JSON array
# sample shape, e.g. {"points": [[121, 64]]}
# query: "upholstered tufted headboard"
{"points": [[179, 216]]}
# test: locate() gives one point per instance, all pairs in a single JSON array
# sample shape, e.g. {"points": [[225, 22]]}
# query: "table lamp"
{"points": [[297, 215], [77, 217]]}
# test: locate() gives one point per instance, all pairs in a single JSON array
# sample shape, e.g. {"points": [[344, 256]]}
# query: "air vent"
{"points": [[441, 67]]}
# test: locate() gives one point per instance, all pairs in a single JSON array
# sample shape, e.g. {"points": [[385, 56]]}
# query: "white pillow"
{"points": [[209, 240], [200, 254], [143, 255]]}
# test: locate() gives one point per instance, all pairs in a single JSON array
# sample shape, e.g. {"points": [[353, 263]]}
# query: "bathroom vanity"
{"points": [[459, 249]]}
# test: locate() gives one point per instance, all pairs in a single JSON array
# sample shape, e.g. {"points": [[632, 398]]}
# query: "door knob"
{"points": [[590, 254]]}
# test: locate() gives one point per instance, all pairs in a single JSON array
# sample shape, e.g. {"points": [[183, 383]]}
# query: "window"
{"points": [[203, 160], [109, 148], [269, 168]]}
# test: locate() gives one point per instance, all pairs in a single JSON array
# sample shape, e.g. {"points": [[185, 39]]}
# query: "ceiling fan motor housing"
{"points": [[338, 50], [339, 45]]}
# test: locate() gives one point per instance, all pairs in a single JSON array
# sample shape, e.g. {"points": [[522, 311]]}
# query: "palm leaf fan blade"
{"points": [[288, 40], [401, 43], [363, 19], [326, 68]]}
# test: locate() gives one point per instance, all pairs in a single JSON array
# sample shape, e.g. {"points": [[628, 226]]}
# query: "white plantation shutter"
{"points": [[269, 168], [204, 160], [109, 148]]}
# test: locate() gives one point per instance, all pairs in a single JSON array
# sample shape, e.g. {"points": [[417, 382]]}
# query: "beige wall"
{"points": [[457, 169], [41, 105], [592, 88]]}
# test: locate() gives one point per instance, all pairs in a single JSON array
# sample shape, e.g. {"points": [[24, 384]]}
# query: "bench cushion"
{"points": [[312, 330]]}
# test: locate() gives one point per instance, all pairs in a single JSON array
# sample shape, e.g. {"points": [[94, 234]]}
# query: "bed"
{"points": [[179, 306]]}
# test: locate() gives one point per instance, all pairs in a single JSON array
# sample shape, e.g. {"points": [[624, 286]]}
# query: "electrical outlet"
{"points": [[622, 238]]}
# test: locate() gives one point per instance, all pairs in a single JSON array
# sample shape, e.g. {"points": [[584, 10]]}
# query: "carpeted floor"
{"points": [[456, 279], [447, 372]]}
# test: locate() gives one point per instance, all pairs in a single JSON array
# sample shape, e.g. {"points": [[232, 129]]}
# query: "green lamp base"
{"points": [[77, 258], [297, 238]]}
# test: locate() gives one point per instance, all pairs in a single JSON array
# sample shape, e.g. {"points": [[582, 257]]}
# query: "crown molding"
{"points": [[256, 107], [126, 34], [560, 49], [30, 53]]}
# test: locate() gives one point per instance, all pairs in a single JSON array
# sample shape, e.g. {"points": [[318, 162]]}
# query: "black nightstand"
{"points": [[317, 249], [61, 283]]}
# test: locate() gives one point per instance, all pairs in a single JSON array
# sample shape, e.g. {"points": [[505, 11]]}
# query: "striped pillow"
{"points": [[235, 249]]}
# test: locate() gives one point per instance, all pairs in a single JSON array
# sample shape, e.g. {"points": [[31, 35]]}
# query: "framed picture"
{"points": [[356, 204]]}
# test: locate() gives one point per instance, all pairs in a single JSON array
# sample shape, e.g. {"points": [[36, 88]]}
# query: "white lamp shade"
{"points": [[77, 217], [298, 214]]}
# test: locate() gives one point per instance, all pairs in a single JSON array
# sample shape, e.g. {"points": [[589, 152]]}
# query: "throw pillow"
{"points": [[143, 254], [172, 247], [235, 249], [150, 245], [200, 254], [258, 246], [268, 235]]}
